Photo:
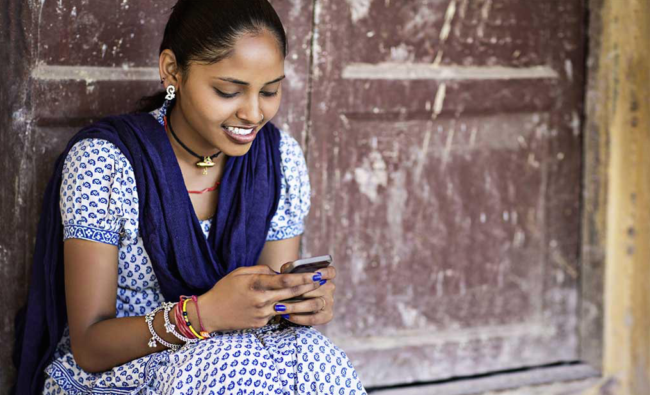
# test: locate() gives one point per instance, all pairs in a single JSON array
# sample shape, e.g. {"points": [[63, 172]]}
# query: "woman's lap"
{"points": [[279, 358]]}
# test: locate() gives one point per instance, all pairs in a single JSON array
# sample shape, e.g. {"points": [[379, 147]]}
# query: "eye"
{"points": [[225, 95], [269, 94]]}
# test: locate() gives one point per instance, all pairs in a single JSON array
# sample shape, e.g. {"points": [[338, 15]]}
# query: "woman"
{"points": [[197, 195]]}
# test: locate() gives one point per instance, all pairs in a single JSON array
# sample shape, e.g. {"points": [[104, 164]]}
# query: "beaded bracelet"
{"points": [[170, 328], [203, 332], [187, 320], [154, 336], [178, 312]]}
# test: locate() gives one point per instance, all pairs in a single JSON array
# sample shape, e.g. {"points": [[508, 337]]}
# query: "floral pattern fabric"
{"points": [[99, 202]]}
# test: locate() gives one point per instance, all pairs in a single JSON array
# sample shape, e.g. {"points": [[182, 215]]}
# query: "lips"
{"points": [[239, 139]]}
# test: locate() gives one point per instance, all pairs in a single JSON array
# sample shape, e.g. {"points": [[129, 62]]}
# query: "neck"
{"points": [[189, 138]]}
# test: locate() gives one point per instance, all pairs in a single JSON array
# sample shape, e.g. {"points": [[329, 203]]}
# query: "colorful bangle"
{"points": [[203, 332], [182, 328], [187, 320]]}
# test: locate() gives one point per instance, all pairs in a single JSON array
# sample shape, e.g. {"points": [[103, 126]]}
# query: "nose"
{"points": [[251, 112]]}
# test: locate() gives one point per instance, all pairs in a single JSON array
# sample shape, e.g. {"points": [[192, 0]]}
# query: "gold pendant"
{"points": [[205, 164]]}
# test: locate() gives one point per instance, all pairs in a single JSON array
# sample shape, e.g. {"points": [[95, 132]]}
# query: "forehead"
{"points": [[255, 59]]}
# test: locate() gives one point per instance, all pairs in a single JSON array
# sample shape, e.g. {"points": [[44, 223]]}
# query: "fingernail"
{"points": [[322, 282], [285, 316], [276, 272], [317, 277], [280, 307]]}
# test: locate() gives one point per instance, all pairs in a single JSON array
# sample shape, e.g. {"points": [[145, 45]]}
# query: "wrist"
{"points": [[208, 320]]}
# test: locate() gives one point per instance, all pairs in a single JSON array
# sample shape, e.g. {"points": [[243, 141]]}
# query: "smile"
{"points": [[240, 135], [239, 131]]}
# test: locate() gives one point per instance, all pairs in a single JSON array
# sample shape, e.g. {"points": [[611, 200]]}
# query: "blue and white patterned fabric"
{"points": [[99, 202]]}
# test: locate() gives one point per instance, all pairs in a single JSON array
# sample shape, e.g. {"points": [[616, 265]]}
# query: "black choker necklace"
{"points": [[205, 161]]}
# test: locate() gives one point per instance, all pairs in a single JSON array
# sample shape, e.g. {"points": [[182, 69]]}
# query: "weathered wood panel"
{"points": [[595, 147], [556, 380], [71, 63], [445, 155], [16, 169], [625, 118]]}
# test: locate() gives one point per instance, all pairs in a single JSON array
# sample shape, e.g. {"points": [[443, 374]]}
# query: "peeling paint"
{"points": [[575, 123], [485, 15], [411, 316], [449, 17], [359, 9], [568, 68], [446, 155], [439, 100], [401, 53], [371, 175]]}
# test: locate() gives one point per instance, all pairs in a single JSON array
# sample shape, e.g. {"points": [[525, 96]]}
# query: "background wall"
{"points": [[443, 139]]}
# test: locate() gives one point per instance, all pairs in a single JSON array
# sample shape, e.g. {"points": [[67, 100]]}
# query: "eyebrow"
{"points": [[239, 82]]}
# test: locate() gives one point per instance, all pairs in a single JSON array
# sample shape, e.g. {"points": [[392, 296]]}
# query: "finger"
{"points": [[286, 281], [257, 269], [290, 293], [327, 273], [325, 289], [311, 319], [308, 306]]}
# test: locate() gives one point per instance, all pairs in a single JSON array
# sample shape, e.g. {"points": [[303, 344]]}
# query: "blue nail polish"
{"points": [[280, 307], [285, 316], [317, 277], [322, 282]]}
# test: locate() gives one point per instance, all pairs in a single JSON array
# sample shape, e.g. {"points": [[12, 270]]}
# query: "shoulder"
{"points": [[290, 150], [96, 152]]}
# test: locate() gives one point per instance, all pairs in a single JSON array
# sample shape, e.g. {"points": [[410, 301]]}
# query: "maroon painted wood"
{"points": [[445, 160], [443, 141]]}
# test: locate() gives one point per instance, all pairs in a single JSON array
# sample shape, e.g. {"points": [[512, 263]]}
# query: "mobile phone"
{"points": [[308, 265]]}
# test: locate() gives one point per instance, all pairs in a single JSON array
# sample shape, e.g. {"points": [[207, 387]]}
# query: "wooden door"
{"points": [[444, 152], [443, 140], [73, 62]]}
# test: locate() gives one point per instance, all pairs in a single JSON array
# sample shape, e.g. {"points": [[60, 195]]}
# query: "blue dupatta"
{"points": [[185, 262]]}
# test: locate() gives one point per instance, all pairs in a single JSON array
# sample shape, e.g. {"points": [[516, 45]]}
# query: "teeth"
{"points": [[240, 132]]}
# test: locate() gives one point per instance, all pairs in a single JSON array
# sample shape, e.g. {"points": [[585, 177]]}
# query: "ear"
{"points": [[168, 68]]}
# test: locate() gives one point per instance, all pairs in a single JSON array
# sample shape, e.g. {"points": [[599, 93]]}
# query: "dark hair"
{"points": [[205, 31]]}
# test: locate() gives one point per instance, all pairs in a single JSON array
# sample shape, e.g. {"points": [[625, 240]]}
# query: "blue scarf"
{"points": [[185, 262]]}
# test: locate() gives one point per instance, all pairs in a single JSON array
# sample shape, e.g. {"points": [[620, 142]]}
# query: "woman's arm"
{"points": [[277, 253], [99, 340], [245, 298]]}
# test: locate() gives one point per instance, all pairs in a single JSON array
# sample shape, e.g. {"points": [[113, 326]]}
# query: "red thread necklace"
{"points": [[206, 189]]}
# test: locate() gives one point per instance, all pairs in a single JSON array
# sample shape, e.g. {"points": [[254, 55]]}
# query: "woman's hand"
{"points": [[247, 297], [318, 308]]}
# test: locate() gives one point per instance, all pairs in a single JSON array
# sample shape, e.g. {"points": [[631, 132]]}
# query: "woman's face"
{"points": [[242, 91]]}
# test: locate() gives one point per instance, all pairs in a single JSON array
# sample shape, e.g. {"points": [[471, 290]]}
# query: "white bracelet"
{"points": [[154, 336], [171, 328]]}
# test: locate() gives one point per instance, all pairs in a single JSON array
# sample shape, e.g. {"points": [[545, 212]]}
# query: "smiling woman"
{"points": [[197, 193]]}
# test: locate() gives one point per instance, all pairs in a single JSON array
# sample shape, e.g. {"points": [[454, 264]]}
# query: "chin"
{"points": [[237, 151]]}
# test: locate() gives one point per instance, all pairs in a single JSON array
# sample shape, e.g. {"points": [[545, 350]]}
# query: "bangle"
{"points": [[180, 322], [154, 336], [170, 328], [203, 332], [187, 320]]}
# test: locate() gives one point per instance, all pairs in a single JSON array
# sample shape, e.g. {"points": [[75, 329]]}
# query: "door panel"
{"points": [[445, 162], [99, 58]]}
